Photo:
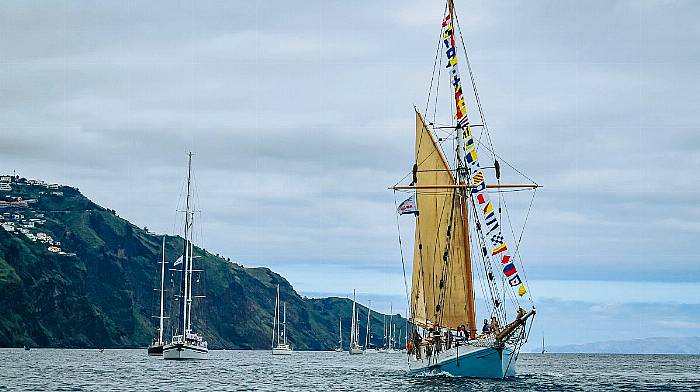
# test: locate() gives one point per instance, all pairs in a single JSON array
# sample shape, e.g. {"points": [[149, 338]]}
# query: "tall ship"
{"points": [[187, 343], [156, 347], [355, 347], [280, 346], [461, 222]]}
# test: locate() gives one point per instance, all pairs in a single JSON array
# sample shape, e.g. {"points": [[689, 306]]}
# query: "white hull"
{"points": [[282, 350], [356, 350], [371, 351], [184, 351], [465, 361]]}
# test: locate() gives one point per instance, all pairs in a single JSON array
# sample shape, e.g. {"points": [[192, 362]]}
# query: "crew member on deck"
{"points": [[486, 329]]}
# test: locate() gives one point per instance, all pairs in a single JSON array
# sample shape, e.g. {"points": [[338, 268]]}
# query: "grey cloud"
{"points": [[301, 115]]}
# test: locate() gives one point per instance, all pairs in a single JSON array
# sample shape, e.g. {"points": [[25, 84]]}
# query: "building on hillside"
{"points": [[5, 179], [54, 249], [5, 187]]}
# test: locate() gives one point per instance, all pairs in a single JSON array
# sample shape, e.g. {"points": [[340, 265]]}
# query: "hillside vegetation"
{"points": [[99, 291]]}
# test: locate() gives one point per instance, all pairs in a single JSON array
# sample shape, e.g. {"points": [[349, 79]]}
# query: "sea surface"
{"points": [[130, 370]]}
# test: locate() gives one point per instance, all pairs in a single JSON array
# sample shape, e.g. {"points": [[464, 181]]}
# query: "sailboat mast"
{"points": [[464, 212], [284, 322], [340, 333], [353, 338], [276, 327], [189, 279], [186, 267], [369, 312], [391, 322], [162, 294]]}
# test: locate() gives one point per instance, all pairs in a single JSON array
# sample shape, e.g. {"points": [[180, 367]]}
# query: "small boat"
{"points": [[27, 348], [156, 347], [187, 344], [389, 331], [355, 347], [543, 350], [340, 336], [458, 229], [369, 349], [279, 329]]}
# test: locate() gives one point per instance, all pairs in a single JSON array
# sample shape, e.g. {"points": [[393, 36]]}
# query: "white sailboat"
{"points": [[355, 347], [188, 344], [340, 336], [389, 332], [368, 334], [457, 225], [279, 329], [156, 347]]}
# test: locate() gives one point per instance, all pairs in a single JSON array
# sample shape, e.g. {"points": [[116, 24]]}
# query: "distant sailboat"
{"points": [[543, 350], [389, 332], [455, 222], [355, 347], [279, 329], [188, 344], [156, 347], [368, 335], [340, 336]]}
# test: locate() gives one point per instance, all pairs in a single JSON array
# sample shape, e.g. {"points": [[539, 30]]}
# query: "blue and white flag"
{"points": [[408, 206], [178, 261]]}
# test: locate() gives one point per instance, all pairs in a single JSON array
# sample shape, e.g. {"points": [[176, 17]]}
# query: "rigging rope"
{"points": [[403, 263]]}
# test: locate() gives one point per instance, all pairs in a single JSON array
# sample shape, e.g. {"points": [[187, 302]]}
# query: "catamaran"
{"points": [[340, 336], [156, 347], [279, 329], [456, 225], [355, 347], [188, 344]]}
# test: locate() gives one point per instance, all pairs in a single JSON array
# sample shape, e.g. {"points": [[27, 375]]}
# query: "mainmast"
{"points": [[353, 336], [340, 333], [284, 322], [369, 312], [187, 265], [275, 322], [162, 295]]}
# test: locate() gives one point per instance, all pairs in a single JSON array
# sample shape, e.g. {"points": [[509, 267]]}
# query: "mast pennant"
{"points": [[484, 206]]}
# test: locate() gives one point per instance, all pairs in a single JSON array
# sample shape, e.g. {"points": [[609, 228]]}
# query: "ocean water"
{"points": [[129, 370]]}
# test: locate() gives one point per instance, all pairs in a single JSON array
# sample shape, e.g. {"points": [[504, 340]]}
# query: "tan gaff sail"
{"points": [[432, 305]]}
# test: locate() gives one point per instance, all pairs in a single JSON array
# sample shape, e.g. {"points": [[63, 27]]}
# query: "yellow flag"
{"points": [[521, 290]]}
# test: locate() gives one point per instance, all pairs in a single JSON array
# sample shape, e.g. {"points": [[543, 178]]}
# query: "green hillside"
{"points": [[98, 289]]}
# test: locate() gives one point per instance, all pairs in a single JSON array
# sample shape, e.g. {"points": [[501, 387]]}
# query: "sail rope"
{"points": [[490, 141], [520, 238], [403, 263], [446, 261], [432, 77]]}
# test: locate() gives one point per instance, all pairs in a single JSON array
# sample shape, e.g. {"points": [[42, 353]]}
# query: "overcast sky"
{"points": [[301, 114]]}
